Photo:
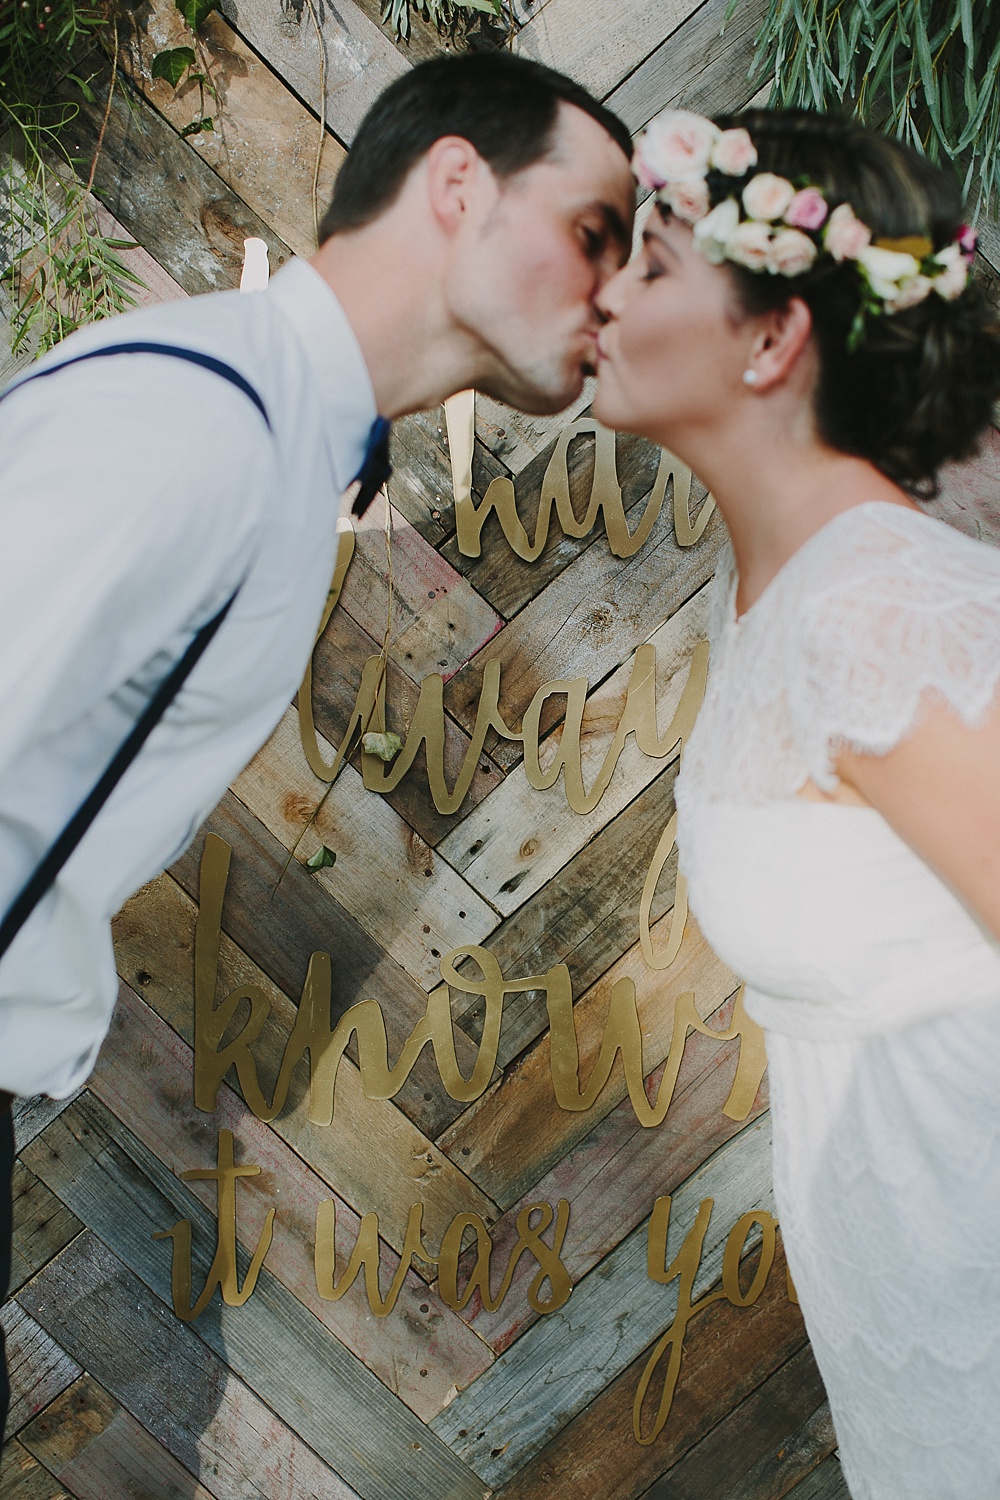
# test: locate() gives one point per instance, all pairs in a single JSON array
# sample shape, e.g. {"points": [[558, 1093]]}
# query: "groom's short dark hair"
{"points": [[506, 106]]}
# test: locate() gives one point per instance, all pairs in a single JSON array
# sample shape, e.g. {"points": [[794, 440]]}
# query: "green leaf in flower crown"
{"points": [[385, 746], [196, 11], [322, 859], [172, 65]]}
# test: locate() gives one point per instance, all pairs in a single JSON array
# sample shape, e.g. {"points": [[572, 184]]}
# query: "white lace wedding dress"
{"points": [[879, 991]]}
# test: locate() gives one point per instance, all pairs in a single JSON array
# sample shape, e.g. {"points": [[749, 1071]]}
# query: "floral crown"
{"points": [[774, 225]]}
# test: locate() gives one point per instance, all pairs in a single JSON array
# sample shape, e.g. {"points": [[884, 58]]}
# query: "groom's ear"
{"points": [[782, 337], [454, 173]]}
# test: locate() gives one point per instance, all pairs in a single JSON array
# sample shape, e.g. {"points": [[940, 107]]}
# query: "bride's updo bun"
{"points": [[919, 387]]}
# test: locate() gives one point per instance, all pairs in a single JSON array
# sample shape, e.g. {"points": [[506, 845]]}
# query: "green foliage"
{"points": [[56, 266], [323, 859], [449, 16], [925, 70], [196, 12], [172, 65]]}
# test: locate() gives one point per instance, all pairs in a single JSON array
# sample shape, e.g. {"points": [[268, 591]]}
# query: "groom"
{"points": [[180, 495]]}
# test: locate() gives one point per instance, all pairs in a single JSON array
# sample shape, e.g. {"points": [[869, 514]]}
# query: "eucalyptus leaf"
{"points": [[385, 746], [323, 859]]}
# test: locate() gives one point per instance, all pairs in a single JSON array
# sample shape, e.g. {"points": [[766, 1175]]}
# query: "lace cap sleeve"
{"points": [[894, 611]]}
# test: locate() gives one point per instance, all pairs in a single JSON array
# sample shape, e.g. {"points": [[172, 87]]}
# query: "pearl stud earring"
{"points": [[749, 377]]}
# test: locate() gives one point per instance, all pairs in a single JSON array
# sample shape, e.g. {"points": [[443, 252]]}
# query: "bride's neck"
{"points": [[775, 487]]}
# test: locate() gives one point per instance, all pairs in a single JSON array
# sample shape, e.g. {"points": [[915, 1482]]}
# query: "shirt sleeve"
{"points": [[905, 616], [131, 496]]}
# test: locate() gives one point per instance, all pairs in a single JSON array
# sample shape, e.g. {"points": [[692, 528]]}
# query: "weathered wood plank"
{"points": [[564, 1361], [423, 1352], [168, 199], [597, 610], [42, 1226], [609, 1178], [98, 1449], [415, 906], [703, 66], [514, 1134], [32, 1115], [438, 619], [38, 1367], [359, 60], [970, 492], [23, 1478], [174, 1385], [773, 1438], [826, 1482], [264, 142], [281, 916], [273, 1343], [596, 47], [518, 838], [728, 1353], [337, 664], [586, 916]]}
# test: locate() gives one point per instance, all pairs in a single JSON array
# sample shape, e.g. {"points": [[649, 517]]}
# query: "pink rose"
{"points": [[750, 245], [967, 240], [845, 236], [791, 252], [767, 196], [734, 153], [807, 209], [688, 200], [676, 146], [643, 171]]}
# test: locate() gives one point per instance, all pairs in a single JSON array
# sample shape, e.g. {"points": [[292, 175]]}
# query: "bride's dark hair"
{"points": [[919, 389]]}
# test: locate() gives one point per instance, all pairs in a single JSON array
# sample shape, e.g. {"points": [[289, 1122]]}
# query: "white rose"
{"points": [[791, 252], [887, 269], [750, 245], [734, 153], [954, 278], [767, 196], [713, 233], [688, 200], [677, 145], [908, 294]]}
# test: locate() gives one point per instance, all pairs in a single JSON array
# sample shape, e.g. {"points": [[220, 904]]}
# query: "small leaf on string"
{"points": [[385, 746], [323, 859], [172, 65], [197, 126]]}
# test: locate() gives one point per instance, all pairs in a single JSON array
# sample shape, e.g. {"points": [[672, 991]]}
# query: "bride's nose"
{"points": [[611, 296]]}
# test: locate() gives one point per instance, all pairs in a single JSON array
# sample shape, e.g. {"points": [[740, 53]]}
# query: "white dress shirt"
{"points": [[136, 492]]}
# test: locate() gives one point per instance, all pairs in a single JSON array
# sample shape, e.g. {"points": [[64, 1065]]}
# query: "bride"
{"points": [[801, 329]]}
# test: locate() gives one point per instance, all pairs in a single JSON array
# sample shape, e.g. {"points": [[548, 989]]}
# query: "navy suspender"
{"points": [[44, 876]]}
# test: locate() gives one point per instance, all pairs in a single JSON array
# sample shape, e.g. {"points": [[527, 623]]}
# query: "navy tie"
{"points": [[375, 469]]}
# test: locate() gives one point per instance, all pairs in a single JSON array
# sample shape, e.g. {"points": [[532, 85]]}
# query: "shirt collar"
{"points": [[335, 358]]}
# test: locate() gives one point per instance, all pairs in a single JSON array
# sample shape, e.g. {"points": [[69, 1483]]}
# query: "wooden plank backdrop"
{"points": [[293, 1394]]}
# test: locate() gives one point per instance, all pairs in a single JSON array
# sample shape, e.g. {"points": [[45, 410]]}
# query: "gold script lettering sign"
{"points": [[312, 1032], [366, 1256], [684, 1267], [427, 728], [222, 1273], [605, 493]]}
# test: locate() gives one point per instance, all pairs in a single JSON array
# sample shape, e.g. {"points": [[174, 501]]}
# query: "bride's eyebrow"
{"points": [[649, 239]]}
